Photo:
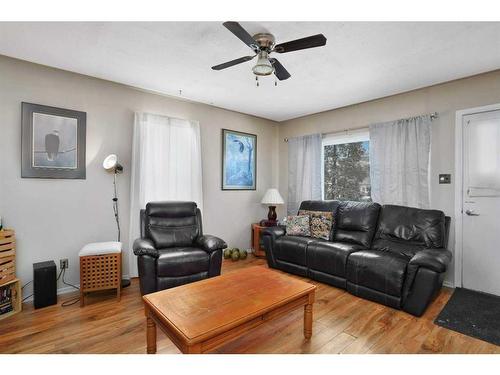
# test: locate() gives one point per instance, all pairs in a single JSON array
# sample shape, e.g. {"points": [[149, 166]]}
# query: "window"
{"points": [[346, 166]]}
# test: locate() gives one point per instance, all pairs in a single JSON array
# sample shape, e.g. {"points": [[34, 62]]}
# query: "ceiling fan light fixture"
{"points": [[263, 67]]}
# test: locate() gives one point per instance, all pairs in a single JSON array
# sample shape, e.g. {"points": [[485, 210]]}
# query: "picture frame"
{"points": [[53, 142], [239, 160]]}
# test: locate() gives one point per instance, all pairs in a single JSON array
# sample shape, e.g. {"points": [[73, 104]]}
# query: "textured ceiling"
{"points": [[361, 61]]}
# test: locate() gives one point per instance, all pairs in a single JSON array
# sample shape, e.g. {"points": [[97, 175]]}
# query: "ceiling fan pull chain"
{"points": [[275, 82], [257, 80]]}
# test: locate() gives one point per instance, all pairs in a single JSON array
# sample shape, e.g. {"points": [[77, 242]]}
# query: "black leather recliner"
{"points": [[389, 254], [172, 249]]}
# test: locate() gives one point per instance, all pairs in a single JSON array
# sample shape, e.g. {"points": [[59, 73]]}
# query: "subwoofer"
{"points": [[44, 284]]}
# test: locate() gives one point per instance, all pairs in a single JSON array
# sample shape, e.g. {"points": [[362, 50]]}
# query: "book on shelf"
{"points": [[6, 309], [5, 294]]}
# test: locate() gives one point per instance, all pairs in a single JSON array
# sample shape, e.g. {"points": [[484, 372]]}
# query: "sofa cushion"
{"points": [[378, 270], [320, 223], [411, 226], [356, 222], [181, 261], [292, 249], [404, 248], [330, 257]]}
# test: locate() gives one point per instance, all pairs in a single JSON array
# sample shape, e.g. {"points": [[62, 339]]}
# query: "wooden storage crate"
{"points": [[16, 297], [7, 256]]}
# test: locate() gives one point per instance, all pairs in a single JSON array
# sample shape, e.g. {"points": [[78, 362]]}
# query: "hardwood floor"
{"points": [[342, 324]]}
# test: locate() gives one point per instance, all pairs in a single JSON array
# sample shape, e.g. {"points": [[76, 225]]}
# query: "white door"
{"points": [[481, 202]]}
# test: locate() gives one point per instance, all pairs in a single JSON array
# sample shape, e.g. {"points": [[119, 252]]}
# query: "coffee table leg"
{"points": [[308, 321], [194, 349], [151, 336]]}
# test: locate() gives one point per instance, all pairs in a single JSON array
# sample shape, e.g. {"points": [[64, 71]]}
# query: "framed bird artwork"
{"points": [[53, 142], [239, 167]]}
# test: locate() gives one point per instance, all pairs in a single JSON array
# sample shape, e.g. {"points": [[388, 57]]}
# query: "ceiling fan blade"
{"points": [[232, 62], [242, 34], [279, 70], [298, 44]]}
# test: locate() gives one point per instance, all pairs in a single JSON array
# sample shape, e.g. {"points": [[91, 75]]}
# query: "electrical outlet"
{"points": [[63, 263]]}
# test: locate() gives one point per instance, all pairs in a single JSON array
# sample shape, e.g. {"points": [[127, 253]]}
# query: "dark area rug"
{"points": [[472, 313]]}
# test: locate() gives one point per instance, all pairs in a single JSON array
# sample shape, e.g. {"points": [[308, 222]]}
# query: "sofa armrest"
{"points": [[210, 243], [434, 259], [269, 237], [274, 232], [144, 246]]}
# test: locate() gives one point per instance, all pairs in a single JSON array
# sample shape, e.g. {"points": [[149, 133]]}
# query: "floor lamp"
{"points": [[111, 164]]}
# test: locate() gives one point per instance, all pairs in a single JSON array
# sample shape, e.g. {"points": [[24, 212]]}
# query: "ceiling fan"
{"points": [[263, 44]]}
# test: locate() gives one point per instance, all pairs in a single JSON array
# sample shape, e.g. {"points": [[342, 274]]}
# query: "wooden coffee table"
{"points": [[202, 316]]}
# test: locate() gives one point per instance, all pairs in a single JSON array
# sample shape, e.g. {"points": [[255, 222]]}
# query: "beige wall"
{"points": [[444, 98], [54, 218]]}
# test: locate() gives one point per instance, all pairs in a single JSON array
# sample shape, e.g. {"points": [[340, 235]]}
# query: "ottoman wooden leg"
{"points": [[82, 283], [119, 268]]}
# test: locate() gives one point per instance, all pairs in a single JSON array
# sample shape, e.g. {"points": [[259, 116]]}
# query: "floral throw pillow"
{"points": [[298, 226], [321, 223]]}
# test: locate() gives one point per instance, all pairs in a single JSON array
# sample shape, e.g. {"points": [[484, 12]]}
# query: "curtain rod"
{"points": [[433, 116]]}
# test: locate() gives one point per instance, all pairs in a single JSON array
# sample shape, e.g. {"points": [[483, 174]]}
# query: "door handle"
{"points": [[471, 213]]}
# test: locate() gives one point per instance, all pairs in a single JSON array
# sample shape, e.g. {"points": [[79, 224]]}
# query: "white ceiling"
{"points": [[361, 60]]}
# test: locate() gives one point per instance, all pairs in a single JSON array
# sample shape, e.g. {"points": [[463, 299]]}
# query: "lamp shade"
{"points": [[272, 197], [111, 164], [263, 66]]}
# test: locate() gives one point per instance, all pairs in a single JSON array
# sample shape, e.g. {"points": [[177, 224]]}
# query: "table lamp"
{"points": [[272, 198]]}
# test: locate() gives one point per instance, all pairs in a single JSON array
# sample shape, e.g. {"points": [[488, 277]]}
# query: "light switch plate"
{"points": [[445, 178]]}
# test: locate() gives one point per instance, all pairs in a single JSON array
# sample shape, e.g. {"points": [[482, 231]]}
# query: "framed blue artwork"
{"points": [[239, 170]]}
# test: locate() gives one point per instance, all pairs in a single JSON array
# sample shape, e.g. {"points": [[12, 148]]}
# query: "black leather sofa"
{"points": [[389, 254], [172, 249]]}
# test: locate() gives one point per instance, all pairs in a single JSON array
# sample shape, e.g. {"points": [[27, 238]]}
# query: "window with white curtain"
{"points": [[346, 166], [166, 166], [399, 161]]}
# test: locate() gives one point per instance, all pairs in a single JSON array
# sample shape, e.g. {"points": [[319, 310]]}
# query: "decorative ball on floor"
{"points": [[235, 255], [227, 253]]}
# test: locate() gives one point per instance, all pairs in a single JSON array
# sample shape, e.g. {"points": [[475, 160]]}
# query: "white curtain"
{"points": [[304, 170], [399, 161], [166, 165]]}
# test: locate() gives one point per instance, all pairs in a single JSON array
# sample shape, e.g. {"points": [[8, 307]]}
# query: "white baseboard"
{"points": [[448, 284], [68, 289]]}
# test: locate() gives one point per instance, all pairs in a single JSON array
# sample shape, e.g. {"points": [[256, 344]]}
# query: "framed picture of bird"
{"points": [[239, 167], [53, 142]]}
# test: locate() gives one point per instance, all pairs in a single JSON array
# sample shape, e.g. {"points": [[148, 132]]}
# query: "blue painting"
{"points": [[238, 160]]}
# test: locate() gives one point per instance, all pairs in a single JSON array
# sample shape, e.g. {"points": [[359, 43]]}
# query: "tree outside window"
{"points": [[347, 171]]}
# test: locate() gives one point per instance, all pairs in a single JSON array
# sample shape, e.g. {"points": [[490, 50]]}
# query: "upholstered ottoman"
{"points": [[100, 268]]}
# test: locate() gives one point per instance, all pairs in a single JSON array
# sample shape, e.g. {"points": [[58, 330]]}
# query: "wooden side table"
{"points": [[258, 250]]}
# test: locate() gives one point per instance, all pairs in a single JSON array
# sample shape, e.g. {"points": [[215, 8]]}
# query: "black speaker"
{"points": [[44, 284]]}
